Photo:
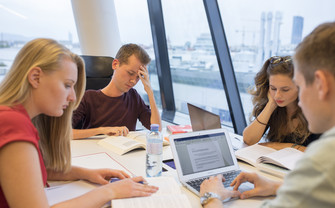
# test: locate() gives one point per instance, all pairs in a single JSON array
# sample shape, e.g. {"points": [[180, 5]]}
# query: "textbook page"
{"points": [[167, 201], [169, 195], [256, 154], [251, 153], [120, 144], [166, 185], [123, 144], [286, 157], [141, 137]]}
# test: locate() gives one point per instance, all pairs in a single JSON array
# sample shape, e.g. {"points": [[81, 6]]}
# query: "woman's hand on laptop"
{"points": [[263, 186], [214, 184]]}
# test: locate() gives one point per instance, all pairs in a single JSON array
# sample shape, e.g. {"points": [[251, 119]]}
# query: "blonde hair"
{"points": [[55, 132]]}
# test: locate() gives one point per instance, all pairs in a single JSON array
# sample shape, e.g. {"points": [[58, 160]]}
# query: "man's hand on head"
{"points": [[143, 73]]}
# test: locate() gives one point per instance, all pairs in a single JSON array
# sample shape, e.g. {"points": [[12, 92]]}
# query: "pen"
{"points": [[142, 182], [117, 179]]}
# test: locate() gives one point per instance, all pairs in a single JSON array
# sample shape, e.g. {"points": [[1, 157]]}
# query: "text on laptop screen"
{"points": [[203, 153]]}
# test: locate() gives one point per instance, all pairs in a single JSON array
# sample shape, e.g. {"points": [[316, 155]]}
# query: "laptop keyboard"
{"points": [[228, 176]]}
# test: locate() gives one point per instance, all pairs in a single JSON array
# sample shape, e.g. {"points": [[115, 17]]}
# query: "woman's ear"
{"points": [[34, 76]]}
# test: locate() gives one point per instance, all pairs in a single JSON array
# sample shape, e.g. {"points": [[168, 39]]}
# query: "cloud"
{"points": [[12, 12]]}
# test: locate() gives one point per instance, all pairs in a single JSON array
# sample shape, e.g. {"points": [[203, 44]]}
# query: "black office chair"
{"points": [[99, 71]]}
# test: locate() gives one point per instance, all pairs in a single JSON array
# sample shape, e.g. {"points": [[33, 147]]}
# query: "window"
{"points": [[134, 27], [194, 69], [257, 30], [29, 19]]}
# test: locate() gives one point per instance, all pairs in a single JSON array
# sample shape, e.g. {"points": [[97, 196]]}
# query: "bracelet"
{"points": [[261, 122]]}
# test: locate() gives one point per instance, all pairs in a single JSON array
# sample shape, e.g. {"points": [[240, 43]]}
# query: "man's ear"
{"points": [[322, 83], [115, 64], [34, 76]]}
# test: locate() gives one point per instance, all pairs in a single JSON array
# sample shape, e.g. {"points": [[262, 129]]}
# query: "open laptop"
{"points": [[199, 155], [202, 119]]}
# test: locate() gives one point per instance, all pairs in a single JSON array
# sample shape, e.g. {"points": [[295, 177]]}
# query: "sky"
{"points": [[38, 18], [183, 24], [54, 18]]}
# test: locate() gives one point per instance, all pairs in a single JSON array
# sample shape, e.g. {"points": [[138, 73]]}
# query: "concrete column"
{"points": [[97, 27]]}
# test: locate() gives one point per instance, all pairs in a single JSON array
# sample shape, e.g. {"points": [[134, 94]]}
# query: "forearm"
{"points": [[84, 133], [298, 147], [279, 145], [155, 117], [254, 132], [276, 145], [75, 173]]}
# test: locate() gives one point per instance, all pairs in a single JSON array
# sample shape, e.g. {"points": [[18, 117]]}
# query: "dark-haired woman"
{"points": [[276, 109]]}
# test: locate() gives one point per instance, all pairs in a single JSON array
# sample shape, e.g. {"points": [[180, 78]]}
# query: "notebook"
{"points": [[202, 119], [199, 155]]}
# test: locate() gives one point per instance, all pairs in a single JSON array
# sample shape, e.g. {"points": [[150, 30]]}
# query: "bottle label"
{"points": [[155, 147]]}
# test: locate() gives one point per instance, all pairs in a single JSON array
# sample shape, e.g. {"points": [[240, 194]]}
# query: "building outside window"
{"points": [[258, 29], [23, 21], [194, 68]]}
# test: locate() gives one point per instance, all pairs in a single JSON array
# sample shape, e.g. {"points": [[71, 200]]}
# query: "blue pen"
{"points": [[117, 179]]}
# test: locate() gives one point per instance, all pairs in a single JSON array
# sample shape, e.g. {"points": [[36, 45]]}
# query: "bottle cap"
{"points": [[154, 127]]}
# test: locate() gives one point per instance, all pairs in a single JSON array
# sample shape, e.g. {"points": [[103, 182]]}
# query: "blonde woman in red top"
{"points": [[37, 97]]}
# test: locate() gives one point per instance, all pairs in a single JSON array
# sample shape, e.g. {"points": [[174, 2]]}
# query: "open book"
{"points": [[123, 144], [257, 155], [169, 195]]}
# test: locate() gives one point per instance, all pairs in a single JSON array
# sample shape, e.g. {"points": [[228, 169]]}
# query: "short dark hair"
{"points": [[130, 49], [317, 51]]}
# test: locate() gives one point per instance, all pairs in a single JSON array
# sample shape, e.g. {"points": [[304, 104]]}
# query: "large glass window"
{"points": [[258, 29], [22, 21], [194, 68], [134, 27]]}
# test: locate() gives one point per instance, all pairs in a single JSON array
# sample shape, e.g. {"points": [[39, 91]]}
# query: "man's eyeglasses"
{"points": [[279, 59]]}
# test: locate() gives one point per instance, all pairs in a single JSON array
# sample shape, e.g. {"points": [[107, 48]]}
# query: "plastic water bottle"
{"points": [[154, 152]]}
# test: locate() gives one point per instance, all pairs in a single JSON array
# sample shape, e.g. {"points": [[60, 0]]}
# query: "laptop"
{"points": [[202, 119], [199, 155]]}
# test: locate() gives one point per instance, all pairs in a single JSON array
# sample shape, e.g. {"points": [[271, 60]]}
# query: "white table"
{"points": [[134, 161]]}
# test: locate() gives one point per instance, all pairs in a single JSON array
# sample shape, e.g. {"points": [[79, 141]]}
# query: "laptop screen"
{"points": [[202, 119], [203, 152]]}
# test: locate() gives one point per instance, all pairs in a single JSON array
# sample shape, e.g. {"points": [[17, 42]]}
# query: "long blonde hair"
{"points": [[55, 132]]}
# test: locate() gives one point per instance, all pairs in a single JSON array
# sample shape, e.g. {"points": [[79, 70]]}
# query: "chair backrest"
{"points": [[98, 71]]}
